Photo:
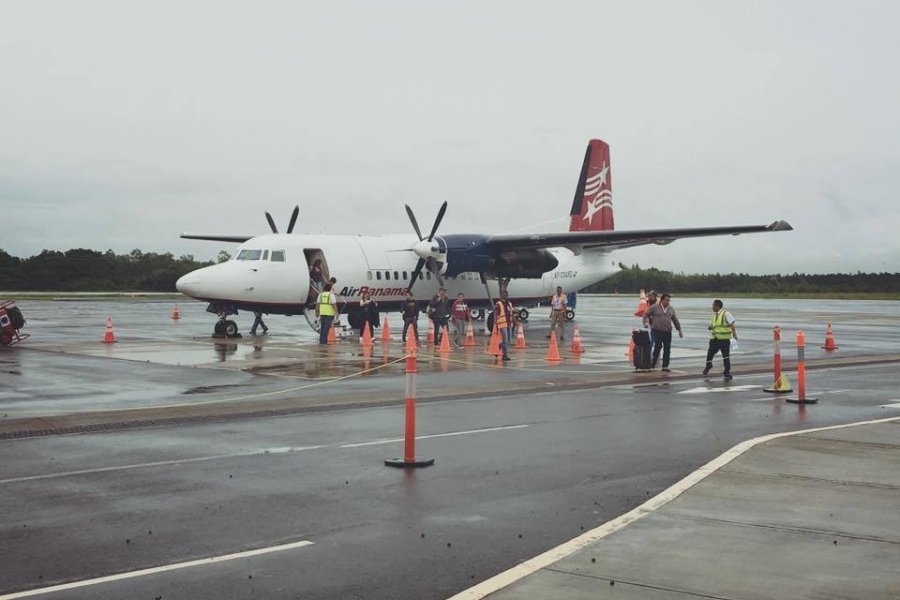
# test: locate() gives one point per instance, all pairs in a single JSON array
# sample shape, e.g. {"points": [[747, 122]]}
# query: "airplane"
{"points": [[270, 273]]}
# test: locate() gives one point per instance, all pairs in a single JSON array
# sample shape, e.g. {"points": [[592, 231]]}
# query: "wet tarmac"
{"points": [[187, 453]]}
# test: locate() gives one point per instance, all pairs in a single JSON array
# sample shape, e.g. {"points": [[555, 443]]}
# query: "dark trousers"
{"points": [[367, 324], [439, 324], [324, 327], [258, 322], [723, 346], [661, 340], [414, 323]]}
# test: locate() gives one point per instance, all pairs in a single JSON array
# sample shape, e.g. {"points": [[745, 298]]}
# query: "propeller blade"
{"points": [[271, 222], [415, 273], [294, 214], [435, 268], [437, 221], [412, 219]]}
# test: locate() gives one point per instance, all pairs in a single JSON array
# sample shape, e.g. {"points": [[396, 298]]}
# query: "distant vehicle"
{"points": [[270, 273], [11, 321]]}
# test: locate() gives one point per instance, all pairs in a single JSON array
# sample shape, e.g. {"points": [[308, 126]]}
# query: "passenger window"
{"points": [[265, 255], [370, 275], [378, 275], [277, 255], [396, 275], [428, 275], [387, 275], [405, 276]]}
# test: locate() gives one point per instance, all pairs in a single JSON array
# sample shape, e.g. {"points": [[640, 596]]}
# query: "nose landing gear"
{"points": [[224, 327]]}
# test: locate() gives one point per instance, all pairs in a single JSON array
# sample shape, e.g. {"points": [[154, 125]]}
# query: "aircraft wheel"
{"points": [[219, 328], [490, 322], [570, 314], [522, 314], [230, 328], [477, 314]]}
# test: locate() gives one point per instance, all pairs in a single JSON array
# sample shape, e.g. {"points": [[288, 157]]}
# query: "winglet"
{"points": [[780, 226]]}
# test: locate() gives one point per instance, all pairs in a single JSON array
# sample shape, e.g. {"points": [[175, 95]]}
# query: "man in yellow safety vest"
{"points": [[722, 331], [326, 311]]}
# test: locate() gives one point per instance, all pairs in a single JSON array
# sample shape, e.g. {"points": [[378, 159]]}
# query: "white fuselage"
{"points": [[381, 265]]}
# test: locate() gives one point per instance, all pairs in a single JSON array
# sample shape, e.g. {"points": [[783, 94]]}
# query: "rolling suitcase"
{"points": [[642, 350]]}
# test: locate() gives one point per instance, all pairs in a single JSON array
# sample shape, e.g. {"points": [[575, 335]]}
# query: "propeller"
{"points": [[291, 224], [424, 247]]}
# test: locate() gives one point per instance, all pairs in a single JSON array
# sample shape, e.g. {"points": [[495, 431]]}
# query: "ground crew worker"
{"points": [[258, 322], [558, 305], [326, 311], [721, 328], [503, 321], [460, 313], [369, 310]]}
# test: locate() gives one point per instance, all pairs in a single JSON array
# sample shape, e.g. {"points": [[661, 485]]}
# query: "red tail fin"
{"points": [[592, 208]]}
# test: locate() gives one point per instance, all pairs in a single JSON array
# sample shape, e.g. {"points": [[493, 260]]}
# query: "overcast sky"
{"points": [[124, 124]]}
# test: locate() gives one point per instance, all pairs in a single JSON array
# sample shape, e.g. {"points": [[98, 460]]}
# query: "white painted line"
{"points": [[262, 452], [719, 390], [498, 582], [161, 463], [436, 435], [153, 570], [895, 405]]}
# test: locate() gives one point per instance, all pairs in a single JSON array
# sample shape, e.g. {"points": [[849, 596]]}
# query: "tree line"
{"points": [[631, 279], [82, 270]]}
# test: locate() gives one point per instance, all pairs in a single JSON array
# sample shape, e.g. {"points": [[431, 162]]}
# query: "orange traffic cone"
{"points": [[385, 331], [829, 339], [109, 336], [411, 345], [642, 305], [520, 338], [332, 334], [629, 354], [470, 336], [494, 346], [553, 350], [577, 348], [176, 314], [445, 340], [367, 335], [430, 338]]}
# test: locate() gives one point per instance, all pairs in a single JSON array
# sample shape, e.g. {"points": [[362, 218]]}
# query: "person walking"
{"points": [[722, 331], [258, 322], [439, 311], [369, 309], [326, 311], [558, 305], [410, 314], [503, 321], [661, 319], [460, 313]]}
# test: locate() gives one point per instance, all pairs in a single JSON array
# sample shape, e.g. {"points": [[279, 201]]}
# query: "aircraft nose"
{"points": [[187, 284]]}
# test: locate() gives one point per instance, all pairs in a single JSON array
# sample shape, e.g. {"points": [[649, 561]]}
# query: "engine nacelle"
{"points": [[470, 253]]}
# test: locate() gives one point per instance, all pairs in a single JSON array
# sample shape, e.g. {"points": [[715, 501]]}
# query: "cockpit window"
{"points": [[277, 255], [249, 254]]}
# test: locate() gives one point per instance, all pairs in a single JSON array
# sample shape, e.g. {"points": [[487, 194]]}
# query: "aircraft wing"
{"points": [[578, 241], [237, 239]]}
